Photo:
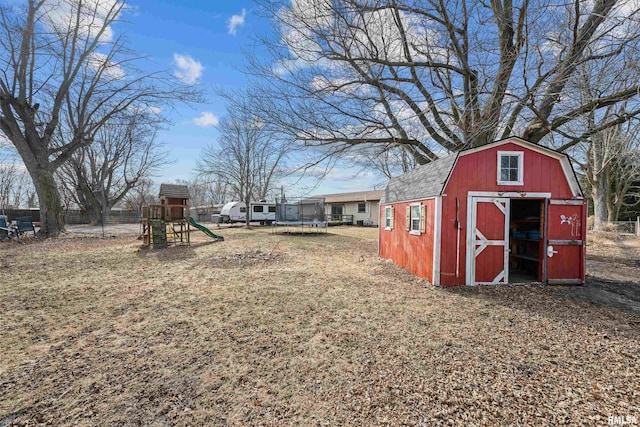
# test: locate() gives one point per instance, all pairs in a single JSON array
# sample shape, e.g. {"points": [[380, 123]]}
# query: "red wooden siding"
{"points": [[477, 171], [411, 252]]}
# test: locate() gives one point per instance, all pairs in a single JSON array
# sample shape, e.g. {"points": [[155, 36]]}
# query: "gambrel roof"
{"points": [[422, 182], [431, 179]]}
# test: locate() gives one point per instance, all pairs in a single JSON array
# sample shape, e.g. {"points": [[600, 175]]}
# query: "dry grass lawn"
{"points": [[275, 329]]}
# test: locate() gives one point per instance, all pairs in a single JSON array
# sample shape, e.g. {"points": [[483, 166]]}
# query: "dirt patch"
{"points": [[607, 293], [248, 258], [613, 273], [614, 267]]}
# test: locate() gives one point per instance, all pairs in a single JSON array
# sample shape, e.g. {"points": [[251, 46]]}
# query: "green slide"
{"points": [[205, 230]]}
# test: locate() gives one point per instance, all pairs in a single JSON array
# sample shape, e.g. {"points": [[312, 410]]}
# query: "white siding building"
{"points": [[358, 208]]}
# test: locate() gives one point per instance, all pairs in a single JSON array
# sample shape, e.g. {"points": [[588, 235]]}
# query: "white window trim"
{"points": [[366, 207], [520, 155], [411, 230], [387, 214]]}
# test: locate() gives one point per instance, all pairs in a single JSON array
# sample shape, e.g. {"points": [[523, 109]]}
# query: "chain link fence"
{"points": [[623, 227]]}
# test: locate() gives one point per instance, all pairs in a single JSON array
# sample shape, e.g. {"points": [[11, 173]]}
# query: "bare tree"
{"points": [[247, 158], [631, 204], [9, 175], [437, 76], [123, 153], [219, 190], [611, 165], [15, 186], [389, 161], [206, 190], [609, 158], [145, 193], [626, 182], [23, 192], [61, 64]]}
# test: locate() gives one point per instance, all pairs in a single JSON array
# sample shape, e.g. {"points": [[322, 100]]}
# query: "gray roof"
{"points": [[358, 196], [174, 191], [422, 182]]}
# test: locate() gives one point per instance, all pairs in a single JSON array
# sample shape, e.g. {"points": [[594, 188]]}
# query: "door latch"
{"points": [[550, 251]]}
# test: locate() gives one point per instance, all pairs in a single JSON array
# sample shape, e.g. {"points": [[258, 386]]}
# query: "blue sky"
{"points": [[203, 40]]}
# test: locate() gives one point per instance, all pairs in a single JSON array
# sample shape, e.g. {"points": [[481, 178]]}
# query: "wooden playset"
{"points": [[168, 222]]}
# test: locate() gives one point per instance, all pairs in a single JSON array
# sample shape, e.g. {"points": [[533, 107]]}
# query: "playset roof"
{"points": [[174, 191]]}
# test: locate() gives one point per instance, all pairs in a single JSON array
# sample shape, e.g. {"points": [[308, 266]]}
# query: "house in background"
{"points": [[358, 208], [506, 212]]}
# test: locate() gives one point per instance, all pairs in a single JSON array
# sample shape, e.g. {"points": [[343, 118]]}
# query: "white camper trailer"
{"points": [[234, 212], [262, 212]]}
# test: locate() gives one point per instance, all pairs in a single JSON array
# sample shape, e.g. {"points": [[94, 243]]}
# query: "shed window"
{"points": [[510, 165], [362, 207], [388, 217], [416, 218]]}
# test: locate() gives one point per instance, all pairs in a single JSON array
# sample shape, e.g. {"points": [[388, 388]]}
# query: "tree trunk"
{"points": [[247, 204], [87, 200], [94, 214], [609, 193], [612, 212], [51, 212], [600, 211], [618, 208], [105, 208], [98, 209]]}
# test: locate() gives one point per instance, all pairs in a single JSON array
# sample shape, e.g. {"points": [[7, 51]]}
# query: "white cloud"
{"points": [[91, 18], [623, 21], [337, 175], [206, 119], [189, 70], [112, 70], [317, 13], [145, 109], [236, 21], [376, 31], [340, 86]]}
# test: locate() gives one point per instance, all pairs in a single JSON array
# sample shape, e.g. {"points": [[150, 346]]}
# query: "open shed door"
{"points": [[565, 244], [489, 240]]}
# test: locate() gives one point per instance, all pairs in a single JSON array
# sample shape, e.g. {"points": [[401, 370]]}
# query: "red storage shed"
{"points": [[506, 212]]}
